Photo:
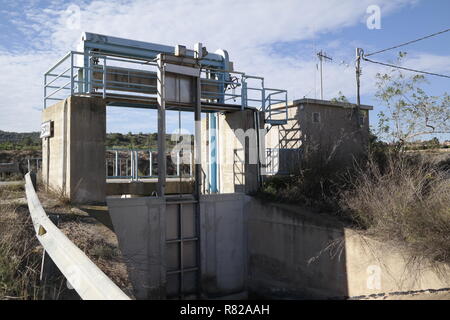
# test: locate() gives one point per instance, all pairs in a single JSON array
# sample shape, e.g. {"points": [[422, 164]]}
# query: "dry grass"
{"points": [[10, 192], [20, 254], [406, 201]]}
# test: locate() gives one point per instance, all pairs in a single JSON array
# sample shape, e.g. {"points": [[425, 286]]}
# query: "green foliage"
{"points": [[341, 98], [410, 111], [138, 141]]}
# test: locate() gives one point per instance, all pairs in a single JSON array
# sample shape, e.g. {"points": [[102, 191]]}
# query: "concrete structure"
{"points": [[322, 129], [74, 156], [295, 253], [148, 230], [237, 150], [260, 249], [223, 237], [140, 226]]}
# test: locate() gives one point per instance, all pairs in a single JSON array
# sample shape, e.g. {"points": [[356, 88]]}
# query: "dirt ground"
{"points": [[95, 239]]}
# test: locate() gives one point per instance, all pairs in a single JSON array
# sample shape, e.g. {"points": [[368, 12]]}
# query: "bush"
{"points": [[315, 185], [407, 201]]}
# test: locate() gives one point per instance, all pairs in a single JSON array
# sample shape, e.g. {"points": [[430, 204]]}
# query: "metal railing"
{"points": [[277, 106], [129, 168], [106, 75], [272, 161], [83, 275]]}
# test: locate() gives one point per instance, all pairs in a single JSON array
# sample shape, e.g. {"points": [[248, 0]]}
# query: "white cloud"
{"points": [[247, 29]]}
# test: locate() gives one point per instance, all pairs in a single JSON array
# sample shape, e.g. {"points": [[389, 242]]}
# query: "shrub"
{"points": [[407, 202]]}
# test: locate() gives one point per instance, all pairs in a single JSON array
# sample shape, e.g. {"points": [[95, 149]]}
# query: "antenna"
{"points": [[322, 56]]}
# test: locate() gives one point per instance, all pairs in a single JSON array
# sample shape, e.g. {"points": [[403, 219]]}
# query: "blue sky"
{"points": [[275, 39]]}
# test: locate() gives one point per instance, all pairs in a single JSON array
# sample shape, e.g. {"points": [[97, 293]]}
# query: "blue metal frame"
{"points": [[213, 173], [139, 49]]}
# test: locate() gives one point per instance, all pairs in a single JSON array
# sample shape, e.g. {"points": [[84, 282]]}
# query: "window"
{"points": [[362, 120], [316, 117]]}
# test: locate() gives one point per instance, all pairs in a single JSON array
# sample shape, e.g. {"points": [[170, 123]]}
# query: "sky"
{"points": [[274, 39]]}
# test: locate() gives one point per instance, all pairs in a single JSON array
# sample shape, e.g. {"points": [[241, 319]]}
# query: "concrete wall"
{"points": [[147, 188], [281, 244], [297, 253], [73, 159], [236, 172], [223, 244], [139, 224]]}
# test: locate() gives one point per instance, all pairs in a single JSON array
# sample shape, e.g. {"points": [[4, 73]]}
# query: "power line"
{"points": [[409, 42], [407, 69]]}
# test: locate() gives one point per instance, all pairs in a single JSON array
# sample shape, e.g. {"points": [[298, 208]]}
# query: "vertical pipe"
{"points": [[132, 165], [126, 166], [198, 140], [178, 163], [190, 163], [136, 165], [213, 153], [161, 128], [64, 149], [116, 163], [150, 163]]}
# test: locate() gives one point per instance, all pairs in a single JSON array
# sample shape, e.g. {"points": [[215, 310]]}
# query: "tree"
{"points": [[410, 111], [341, 98]]}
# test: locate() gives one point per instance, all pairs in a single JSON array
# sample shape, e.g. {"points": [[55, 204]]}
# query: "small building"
{"points": [[323, 130]]}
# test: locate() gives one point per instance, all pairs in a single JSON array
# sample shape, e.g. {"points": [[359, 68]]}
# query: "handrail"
{"points": [[248, 89], [83, 275]]}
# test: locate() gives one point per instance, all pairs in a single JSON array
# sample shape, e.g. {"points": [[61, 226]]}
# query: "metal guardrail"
{"points": [[83, 275]]}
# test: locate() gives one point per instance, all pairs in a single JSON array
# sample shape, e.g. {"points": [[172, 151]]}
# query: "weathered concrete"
{"points": [[236, 136], [282, 243], [223, 244], [294, 253], [73, 159], [139, 224], [147, 188], [335, 136]]}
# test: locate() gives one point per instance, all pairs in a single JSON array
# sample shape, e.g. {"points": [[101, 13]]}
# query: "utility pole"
{"points": [[322, 55], [359, 55]]}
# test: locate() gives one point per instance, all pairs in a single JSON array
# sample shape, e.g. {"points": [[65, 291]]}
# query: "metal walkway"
{"points": [[124, 73]]}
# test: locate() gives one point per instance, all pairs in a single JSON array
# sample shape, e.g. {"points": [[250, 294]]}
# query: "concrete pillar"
{"points": [[238, 165], [73, 159]]}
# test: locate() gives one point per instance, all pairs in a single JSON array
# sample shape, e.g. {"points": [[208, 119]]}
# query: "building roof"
{"points": [[328, 103]]}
